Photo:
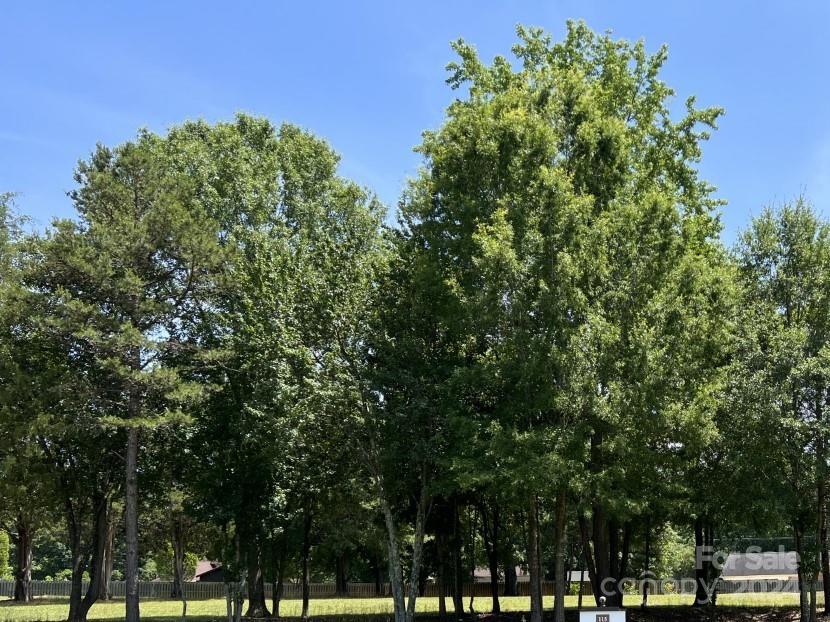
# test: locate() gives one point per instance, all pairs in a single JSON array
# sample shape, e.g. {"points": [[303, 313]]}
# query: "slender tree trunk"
{"points": [[177, 536], [109, 561], [458, 571], [581, 584], [378, 575], [534, 563], [178, 563], [813, 604], [395, 568], [76, 613], [306, 555], [510, 578], [472, 557], [79, 607], [490, 528], [236, 588], [613, 559], [417, 549], [604, 565], [256, 583], [396, 585], [561, 522], [593, 574], [647, 566], [803, 598], [278, 578], [702, 556], [821, 452], [441, 570], [131, 523], [23, 568], [622, 566], [825, 551], [341, 583]]}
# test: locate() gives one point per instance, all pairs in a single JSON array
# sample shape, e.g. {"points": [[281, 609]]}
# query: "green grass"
{"points": [[204, 610]]}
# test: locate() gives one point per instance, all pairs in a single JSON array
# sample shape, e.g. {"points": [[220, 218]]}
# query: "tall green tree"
{"points": [[781, 376], [26, 487], [558, 202], [129, 279], [299, 240]]}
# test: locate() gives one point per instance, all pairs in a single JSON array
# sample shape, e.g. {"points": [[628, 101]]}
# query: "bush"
{"points": [[5, 568]]}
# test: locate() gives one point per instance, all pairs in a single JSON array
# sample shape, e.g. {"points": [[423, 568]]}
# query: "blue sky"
{"points": [[369, 77]]}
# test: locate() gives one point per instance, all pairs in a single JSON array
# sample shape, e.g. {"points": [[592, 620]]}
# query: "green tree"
{"points": [[556, 210], [781, 375], [296, 236], [128, 280]]}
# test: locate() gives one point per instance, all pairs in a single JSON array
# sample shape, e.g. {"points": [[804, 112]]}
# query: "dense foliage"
{"points": [[550, 363]]}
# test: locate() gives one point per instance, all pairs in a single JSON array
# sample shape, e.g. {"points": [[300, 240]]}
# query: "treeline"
{"points": [[548, 359]]}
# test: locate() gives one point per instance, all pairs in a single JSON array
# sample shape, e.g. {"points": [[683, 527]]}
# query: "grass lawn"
{"points": [[209, 610]]}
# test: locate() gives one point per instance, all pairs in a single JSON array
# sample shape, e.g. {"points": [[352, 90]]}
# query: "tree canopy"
{"points": [[550, 361]]}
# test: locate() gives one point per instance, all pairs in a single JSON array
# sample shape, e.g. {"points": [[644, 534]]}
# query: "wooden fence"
{"points": [[204, 591]]}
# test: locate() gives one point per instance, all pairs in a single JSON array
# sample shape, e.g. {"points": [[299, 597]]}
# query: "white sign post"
{"points": [[602, 614]]}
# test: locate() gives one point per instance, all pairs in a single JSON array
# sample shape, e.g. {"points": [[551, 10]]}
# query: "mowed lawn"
{"points": [[204, 610]]}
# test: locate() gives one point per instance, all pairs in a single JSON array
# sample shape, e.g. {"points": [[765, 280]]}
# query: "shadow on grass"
{"points": [[652, 614]]}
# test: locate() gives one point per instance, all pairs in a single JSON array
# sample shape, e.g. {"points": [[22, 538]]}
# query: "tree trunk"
{"points": [[589, 556], [79, 607], [176, 538], [236, 587], [510, 578], [471, 555], [278, 578], [534, 561], [417, 550], [647, 566], [579, 595], [821, 449], [256, 583], [23, 568], [490, 527], [441, 568], [106, 575], [457, 566], [622, 567], [456, 546], [395, 568], [79, 562], [77, 611], [131, 524], [703, 565], [378, 575], [813, 604], [306, 555], [178, 563], [341, 583], [561, 523], [806, 577]]}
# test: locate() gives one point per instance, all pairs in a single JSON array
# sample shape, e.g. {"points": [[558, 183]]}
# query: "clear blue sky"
{"points": [[369, 77]]}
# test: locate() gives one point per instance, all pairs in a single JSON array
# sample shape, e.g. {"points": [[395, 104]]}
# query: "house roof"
{"points": [[204, 566]]}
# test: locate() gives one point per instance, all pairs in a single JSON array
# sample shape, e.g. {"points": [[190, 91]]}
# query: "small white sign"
{"points": [[602, 615]]}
